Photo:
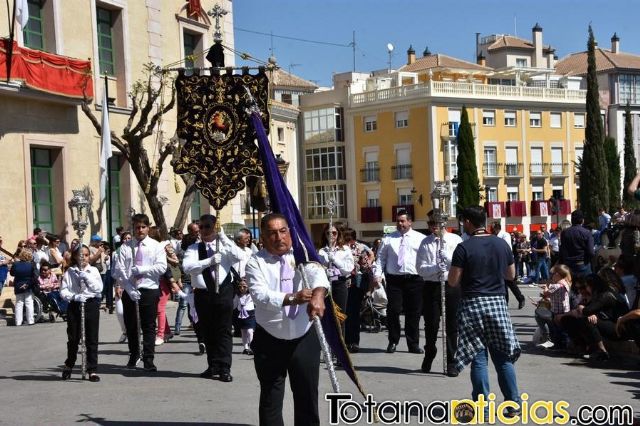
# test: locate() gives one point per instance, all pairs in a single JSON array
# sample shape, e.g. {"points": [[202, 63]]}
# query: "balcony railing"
{"points": [[513, 170], [449, 130], [371, 214], [402, 171], [450, 89], [559, 169], [491, 170], [371, 174], [537, 169]]}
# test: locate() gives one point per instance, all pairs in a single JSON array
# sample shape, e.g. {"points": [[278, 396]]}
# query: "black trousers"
{"points": [[274, 359], [91, 329], [583, 332], [339, 293], [148, 304], [511, 285], [107, 289], [354, 303], [432, 311], [215, 315], [405, 294]]}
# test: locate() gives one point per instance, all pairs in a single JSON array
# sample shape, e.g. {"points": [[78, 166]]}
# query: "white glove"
{"points": [[442, 267], [332, 258], [222, 231], [135, 271], [83, 276], [216, 259], [80, 298], [134, 295]]}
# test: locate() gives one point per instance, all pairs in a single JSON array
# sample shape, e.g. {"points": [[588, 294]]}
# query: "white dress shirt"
{"points": [[154, 264], [72, 285], [427, 257], [193, 265], [505, 236], [263, 278], [342, 259], [244, 298], [241, 264], [387, 261]]}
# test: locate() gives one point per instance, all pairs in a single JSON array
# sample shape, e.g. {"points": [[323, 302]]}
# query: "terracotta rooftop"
{"points": [[441, 61], [284, 79], [576, 63], [505, 41]]}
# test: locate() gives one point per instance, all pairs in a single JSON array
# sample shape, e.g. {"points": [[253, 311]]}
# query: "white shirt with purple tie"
{"points": [[194, 266], [263, 275], [139, 264], [397, 254]]}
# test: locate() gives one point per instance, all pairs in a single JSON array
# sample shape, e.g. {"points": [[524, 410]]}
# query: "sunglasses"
{"points": [[332, 232], [206, 226]]}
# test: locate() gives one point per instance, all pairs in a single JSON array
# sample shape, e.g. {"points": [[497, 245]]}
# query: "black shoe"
{"points": [[66, 373], [150, 366], [133, 361], [225, 377], [511, 412], [110, 312], [597, 356], [416, 350], [426, 363], [521, 303], [207, 374], [93, 377], [202, 348], [353, 348], [247, 352], [452, 371], [391, 348]]}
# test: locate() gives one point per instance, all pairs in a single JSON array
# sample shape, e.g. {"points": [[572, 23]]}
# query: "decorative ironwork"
{"points": [[219, 148], [217, 12]]}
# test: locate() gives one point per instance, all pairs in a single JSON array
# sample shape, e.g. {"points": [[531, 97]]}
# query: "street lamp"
{"points": [[79, 206]]}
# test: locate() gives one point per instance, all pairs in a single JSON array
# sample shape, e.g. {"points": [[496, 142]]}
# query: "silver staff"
{"points": [[439, 200], [83, 339]]}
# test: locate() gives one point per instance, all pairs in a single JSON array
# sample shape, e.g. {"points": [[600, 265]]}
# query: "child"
{"points": [[558, 295], [244, 311]]}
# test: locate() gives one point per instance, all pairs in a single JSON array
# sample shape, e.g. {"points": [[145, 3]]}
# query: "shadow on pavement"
{"points": [[389, 369], [104, 422], [53, 373]]}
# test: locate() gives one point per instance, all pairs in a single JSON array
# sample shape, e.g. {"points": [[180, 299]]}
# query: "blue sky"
{"points": [[447, 27]]}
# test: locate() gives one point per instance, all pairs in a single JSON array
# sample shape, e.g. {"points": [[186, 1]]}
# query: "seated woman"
{"points": [[594, 318], [50, 289]]}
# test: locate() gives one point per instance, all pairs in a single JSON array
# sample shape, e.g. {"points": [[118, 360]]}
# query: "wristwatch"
{"points": [[291, 299]]}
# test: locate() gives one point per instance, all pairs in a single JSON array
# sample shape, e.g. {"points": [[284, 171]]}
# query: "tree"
{"points": [[593, 194], [630, 170], [468, 184], [613, 172], [148, 107]]}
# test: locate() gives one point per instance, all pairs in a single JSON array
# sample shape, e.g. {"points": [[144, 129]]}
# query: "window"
{"points": [[114, 195], [33, 33], [555, 120], [628, 89], [280, 134], [325, 164], [405, 196], [579, 151], [371, 172], [402, 119], [191, 42], [535, 119], [556, 161], [454, 121], [42, 188], [537, 193], [491, 161], [510, 118], [196, 207], [536, 161], [370, 123], [578, 120], [491, 192], [513, 193], [373, 198], [451, 159], [287, 98], [105, 41], [323, 125], [521, 62], [511, 157], [488, 117], [403, 164], [317, 197]]}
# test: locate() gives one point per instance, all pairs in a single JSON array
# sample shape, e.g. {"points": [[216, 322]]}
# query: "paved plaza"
{"points": [[32, 392]]}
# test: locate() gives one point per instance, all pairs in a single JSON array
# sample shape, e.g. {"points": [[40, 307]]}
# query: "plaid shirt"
{"points": [[559, 297], [483, 322]]}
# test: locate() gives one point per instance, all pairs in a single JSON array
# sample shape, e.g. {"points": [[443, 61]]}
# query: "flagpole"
{"points": [[108, 174]]}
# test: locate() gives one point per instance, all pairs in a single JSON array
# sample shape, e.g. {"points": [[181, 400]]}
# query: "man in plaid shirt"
{"points": [[480, 266]]}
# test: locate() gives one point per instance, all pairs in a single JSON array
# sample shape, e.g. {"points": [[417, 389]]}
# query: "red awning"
{"points": [[59, 75]]}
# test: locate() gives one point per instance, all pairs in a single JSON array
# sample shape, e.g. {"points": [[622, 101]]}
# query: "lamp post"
{"points": [[440, 202], [79, 206]]}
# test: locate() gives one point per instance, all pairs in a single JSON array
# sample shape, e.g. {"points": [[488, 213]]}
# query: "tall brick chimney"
{"points": [[615, 43], [538, 58], [411, 55]]}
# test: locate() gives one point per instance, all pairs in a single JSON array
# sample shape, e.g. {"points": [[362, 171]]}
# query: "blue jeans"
{"points": [[542, 269], [506, 376], [183, 305]]}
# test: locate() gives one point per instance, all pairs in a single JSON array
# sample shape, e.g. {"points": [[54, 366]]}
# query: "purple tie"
{"points": [[209, 254], [242, 312], [401, 253], [139, 259], [286, 286]]}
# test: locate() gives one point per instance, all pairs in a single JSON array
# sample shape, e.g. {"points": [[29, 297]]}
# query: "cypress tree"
{"points": [[468, 183], [630, 170], [613, 170], [593, 193]]}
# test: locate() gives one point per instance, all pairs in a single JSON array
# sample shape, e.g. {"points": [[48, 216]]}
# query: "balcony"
{"points": [[540, 208], [449, 130], [370, 174], [370, 214], [559, 169], [516, 209], [538, 170], [491, 170], [513, 170], [401, 207], [476, 91], [495, 209], [45, 72], [402, 171]]}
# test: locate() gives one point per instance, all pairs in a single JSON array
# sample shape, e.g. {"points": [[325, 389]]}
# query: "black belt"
{"points": [[404, 275]]}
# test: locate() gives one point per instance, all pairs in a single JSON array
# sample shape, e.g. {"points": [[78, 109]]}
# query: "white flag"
{"points": [[105, 152], [22, 12]]}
